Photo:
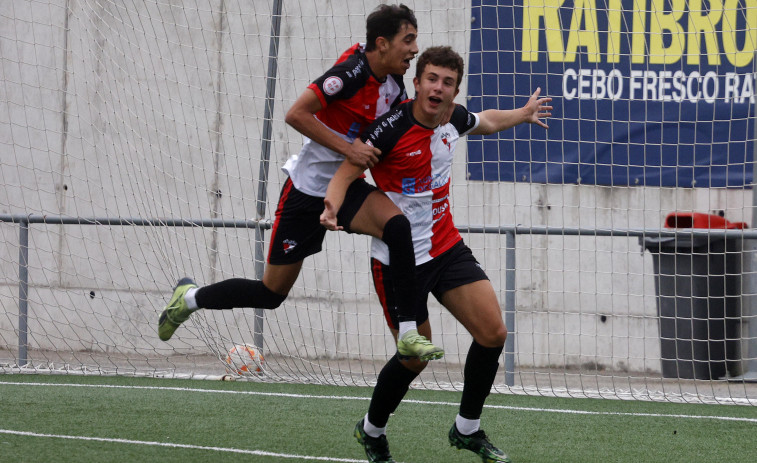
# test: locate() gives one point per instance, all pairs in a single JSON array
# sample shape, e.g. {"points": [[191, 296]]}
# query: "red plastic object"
{"points": [[700, 220]]}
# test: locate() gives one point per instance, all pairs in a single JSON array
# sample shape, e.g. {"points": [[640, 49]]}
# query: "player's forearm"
{"points": [[496, 120], [344, 176], [306, 123]]}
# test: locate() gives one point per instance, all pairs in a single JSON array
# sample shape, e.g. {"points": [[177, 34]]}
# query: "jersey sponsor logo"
{"points": [[391, 119], [332, 85], [414, 153], [356, 71], [354, 130], [411, 185], [408, 186], [289, 245]]}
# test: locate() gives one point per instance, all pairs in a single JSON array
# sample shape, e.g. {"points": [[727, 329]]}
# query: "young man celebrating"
{"points": [[414, 170], [364, 83]]}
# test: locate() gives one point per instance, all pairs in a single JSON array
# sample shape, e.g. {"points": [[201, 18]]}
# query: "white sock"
{"points": [[189, 298], [407, 326], [372, 430], [466, 426]]}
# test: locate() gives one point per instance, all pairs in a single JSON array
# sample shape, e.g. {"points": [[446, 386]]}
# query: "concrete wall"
{"points": [[155, 110]]}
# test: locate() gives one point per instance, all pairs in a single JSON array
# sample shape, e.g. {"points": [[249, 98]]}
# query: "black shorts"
{"points": [[456, 267], [297, 231]]}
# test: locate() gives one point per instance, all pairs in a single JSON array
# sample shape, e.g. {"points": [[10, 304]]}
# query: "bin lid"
{"points": [[700, 220], [667, 244]]}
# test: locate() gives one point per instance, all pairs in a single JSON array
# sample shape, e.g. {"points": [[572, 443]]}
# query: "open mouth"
{"points": [[435, 100]]}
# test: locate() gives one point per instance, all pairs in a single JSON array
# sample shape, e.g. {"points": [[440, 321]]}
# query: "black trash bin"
{"points": [[698, 286]]}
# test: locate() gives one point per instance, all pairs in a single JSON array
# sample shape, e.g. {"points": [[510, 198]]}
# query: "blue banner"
{"points": [[646, 92]]}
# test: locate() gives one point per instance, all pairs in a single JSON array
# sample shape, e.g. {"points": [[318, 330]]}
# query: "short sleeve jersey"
{"points": [[414, 171], [351, 99]]}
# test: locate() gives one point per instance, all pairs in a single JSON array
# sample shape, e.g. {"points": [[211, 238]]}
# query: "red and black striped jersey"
{"points": [[414, 171], [351, 98]]}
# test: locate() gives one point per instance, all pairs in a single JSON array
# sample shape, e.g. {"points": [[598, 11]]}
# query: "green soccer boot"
{"points": [[376, 448], [479, 444], [413, 345], [176, 312]]}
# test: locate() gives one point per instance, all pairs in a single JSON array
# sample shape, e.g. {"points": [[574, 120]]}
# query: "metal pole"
{"points": [[265, 156], [510, 308], [750, 304], [23, 293]]}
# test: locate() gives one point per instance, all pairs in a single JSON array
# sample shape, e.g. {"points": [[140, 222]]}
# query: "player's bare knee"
{"points": [[493, 337]]}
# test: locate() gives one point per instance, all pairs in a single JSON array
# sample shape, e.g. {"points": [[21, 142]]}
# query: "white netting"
{"points": [[156, 110]]}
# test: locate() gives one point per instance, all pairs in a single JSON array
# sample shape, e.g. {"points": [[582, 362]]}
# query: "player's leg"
{"points": [[296, 234], [379, 217], [469, 296], [475, 306], [395, 377]]}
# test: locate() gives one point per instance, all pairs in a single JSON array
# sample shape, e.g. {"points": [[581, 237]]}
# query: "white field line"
{"points": [[421, 402], [182, 446]]}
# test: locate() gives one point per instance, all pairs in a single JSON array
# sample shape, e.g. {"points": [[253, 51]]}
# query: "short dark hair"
{"points": [[444, 57], [386, 21]]}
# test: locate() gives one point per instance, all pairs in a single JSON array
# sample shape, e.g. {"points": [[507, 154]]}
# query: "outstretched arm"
{"points": [[494, 120], [344, 176], [301, 116]]}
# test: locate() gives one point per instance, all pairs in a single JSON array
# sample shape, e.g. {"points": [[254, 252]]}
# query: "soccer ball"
{"points": [[245, 359]]}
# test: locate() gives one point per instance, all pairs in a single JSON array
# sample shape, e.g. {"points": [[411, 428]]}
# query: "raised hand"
{"points": [[538, 108]]}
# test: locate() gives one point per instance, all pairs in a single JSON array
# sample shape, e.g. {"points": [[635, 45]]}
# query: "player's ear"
{"points": [[382, 44]]}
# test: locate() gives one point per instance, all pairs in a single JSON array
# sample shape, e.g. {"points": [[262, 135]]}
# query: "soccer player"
{"points": [[414, 171], [365, 83]]}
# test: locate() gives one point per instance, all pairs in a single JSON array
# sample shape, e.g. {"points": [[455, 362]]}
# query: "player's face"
{"points": [[436, 89], [402, 49]]}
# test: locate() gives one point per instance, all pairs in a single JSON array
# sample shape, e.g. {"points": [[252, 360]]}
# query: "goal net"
{"points": [[141, 142]]}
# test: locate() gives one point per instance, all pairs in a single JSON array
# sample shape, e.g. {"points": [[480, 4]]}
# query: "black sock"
{"points": [[392, 385], [398, 237], [237, 292], [480, 371]]}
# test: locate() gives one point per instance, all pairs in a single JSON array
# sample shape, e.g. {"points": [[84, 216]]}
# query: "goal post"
{"points": [[141, 142]]}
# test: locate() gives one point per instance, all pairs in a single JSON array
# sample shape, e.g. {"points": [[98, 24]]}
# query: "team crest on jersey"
{"points": [[332, 85], [289, 245], [446, 141]]}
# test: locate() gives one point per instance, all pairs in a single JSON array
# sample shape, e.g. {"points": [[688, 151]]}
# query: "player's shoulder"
{"points": [[352, 63], [392, 123], [397, 116], [345, 78], [358, 48], [463, 119]]}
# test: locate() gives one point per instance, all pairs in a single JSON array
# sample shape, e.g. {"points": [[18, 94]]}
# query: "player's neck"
{"points": [[375, 63], [427, 120]]}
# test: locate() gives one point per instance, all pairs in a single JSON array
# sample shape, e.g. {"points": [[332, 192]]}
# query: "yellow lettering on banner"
{"points": [[588, 37], [704, 23], [533, 10], [614, 17], [662, 23], [733, 10], [638, 35]]}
